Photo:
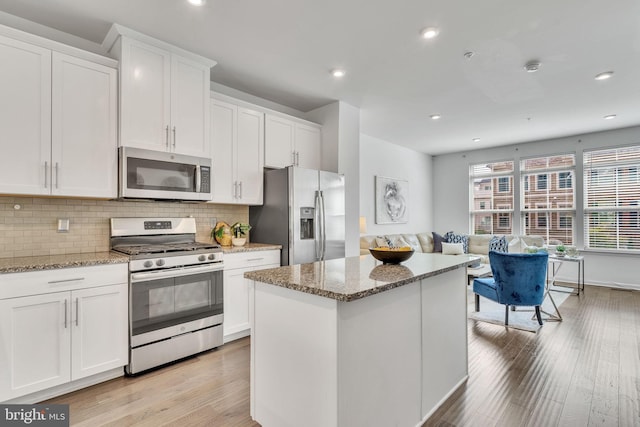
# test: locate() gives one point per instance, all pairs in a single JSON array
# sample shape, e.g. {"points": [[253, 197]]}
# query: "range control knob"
{"points": [[212, 256], [202, 258], [148, 264], [160, 262]]}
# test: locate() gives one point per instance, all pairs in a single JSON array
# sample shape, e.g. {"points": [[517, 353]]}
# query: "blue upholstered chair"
{"points": [[518, 280]]}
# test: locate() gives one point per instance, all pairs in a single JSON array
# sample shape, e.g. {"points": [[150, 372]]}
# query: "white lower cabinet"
{"points": [[236, 289], [60, 327]]}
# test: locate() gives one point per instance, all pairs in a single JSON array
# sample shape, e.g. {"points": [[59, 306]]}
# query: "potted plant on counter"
{"points": [[560, 250], [239, 231]]}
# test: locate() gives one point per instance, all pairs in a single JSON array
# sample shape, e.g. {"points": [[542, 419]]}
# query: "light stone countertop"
{"points": [[349, 279], [49, 262], [250, 247]]}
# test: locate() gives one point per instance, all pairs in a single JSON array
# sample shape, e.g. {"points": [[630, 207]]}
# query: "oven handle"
{"points": [[175, 272]]}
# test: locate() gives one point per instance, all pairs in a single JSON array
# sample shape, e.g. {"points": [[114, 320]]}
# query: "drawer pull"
{"points": [[254, 259], [66, 280]]}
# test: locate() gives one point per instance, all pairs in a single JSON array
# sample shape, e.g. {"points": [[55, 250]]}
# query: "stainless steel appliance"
{"points": [[148, 174], [304, 211], [175, 290]]}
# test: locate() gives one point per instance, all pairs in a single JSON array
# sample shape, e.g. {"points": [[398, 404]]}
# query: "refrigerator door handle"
{"points": [[317, 232], [323, 236]]}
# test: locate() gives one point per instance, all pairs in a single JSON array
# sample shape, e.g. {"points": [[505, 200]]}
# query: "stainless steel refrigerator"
{"points": [[304, 211]]}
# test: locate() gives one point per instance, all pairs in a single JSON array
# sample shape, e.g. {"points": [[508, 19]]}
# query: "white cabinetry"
{"points": [[291, 142], [164, 94], [237, 141], [236, 289], [59, 116], [60, 326]]}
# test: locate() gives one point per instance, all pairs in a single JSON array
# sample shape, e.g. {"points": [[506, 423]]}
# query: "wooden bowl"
{"points": [[391, 256]]}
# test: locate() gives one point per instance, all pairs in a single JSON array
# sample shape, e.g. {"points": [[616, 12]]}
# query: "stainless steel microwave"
{"points": [[149, 174]]}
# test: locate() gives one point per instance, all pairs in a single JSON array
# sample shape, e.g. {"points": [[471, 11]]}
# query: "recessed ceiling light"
{"points": [[338, 73], [532, 66], [609, 116], [468, 55], [476, 139], [604, 76], [435, 116], [197, 2], [429, 32]]}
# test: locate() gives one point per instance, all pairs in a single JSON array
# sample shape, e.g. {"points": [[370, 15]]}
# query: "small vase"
{"points": [[238, 241]]}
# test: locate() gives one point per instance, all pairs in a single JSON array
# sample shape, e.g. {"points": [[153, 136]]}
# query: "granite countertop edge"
{"points": [[52, 262], [262, 276], [250, 247]]}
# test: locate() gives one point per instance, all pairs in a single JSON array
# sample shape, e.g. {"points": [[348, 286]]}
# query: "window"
{"points": [[503, 184], [491, 189], [564, 180], [548, 205], [541, 180], [611, 194]]}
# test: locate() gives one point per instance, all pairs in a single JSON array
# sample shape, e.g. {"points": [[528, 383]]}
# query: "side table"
{"points": [[556, 263], [484, 270]]}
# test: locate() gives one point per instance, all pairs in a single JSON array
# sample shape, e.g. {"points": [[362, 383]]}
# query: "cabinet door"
{"points": [[25, 118], [99, 324], [189, 107], [307, 146], [84, 142], [144, 96], [35, 342], [236, 303], [223, 137], [278, 143], [249, 159]]}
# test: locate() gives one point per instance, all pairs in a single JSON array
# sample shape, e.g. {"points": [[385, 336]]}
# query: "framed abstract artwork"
{"points": [[392, 197]]}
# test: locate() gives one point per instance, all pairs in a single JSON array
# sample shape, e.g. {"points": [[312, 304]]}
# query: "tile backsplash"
{"points": [[28, 225]]}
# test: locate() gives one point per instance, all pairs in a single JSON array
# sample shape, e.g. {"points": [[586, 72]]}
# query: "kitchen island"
{"points": [[352, 342]]}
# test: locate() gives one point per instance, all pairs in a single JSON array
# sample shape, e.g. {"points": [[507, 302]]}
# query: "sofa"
{"points": [[478, 243]]}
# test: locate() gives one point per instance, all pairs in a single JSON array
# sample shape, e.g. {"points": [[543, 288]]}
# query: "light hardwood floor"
{"points": [[584, 371]]}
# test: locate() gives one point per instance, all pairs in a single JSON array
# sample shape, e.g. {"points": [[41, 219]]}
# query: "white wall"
{"points": [[378, 157], [340, 153], [451, 197]]}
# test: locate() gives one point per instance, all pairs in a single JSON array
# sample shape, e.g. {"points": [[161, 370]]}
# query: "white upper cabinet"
{"points": [[164, 94], [291, 142], [59, 113], [237, 141], [84, 157], [25, 117]]}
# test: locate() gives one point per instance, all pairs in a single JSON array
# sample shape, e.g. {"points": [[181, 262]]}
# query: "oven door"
{"points": [[166, 303], [159, 175]]}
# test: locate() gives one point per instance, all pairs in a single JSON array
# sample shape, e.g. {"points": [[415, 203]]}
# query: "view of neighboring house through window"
{"points": [[548, 197], [611, 198], [492, 205]]}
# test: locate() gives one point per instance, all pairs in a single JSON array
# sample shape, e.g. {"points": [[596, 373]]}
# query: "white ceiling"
{"points": [[283, 51]]}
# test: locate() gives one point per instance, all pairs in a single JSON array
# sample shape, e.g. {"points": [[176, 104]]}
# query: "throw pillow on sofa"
{"points": [[382, 242], [499, 244], [451, 237], [452, 248], [437, 242]]}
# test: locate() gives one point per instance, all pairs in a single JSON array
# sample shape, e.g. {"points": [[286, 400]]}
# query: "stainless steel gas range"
{"points": [[175, 290]]}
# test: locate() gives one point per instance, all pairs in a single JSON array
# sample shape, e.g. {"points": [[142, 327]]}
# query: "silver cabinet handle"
{"points": [[174, 137], [235, 189], [66, 280], [297, 158], [46, 169], [254, 259], [166, 136], [293, 156], [77, 311], [65, 313], [57, 179], [240, 185]]}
